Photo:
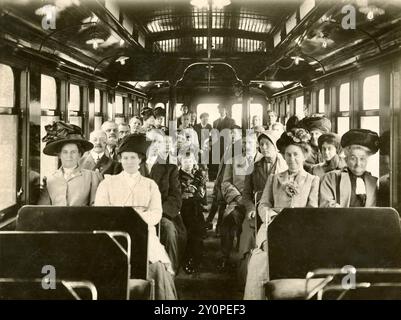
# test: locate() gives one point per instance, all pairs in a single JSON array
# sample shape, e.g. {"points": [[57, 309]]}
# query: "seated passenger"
{"points": [[136, 124], [232, 186], [69, 185], [329, 147], [193, 190], [130, 188], [164, 172], [352, 186], [149, 119], [316, 125], [123, 131], [278, 127], [294, 188], [160, 115], [96, 160], [270, 163]]}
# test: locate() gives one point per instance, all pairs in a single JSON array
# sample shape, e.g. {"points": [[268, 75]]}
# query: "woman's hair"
{"points": [[305, 147], [348, 149], [292, 123], [141, 156], [297, 137], [329, 138]]}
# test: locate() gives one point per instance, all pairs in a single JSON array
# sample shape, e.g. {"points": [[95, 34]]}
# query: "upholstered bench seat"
{"points": [[287, 289]]}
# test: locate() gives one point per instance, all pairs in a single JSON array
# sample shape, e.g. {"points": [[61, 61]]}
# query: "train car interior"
{"points": [[255, 64]]}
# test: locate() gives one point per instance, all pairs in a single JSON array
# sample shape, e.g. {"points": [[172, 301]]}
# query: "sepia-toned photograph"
{"points": [[225, 150]]}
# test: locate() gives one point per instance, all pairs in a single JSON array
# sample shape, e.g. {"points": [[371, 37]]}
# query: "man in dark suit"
{"points": [[224, 122], [111, 130], [205, 126], [96, 159], [173, 232]]}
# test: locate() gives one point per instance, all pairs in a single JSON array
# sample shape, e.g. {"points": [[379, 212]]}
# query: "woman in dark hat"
{"points": [[293, 188], [352, 186], [160, 115], [316, 125], [130, 188], [149, 119], [330, 148], [69, 185]]}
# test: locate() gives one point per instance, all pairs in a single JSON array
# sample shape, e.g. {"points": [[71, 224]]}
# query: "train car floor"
{"points": [[209, 283]]}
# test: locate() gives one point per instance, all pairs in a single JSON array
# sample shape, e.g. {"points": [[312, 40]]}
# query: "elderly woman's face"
{"points": [[69, 155], [294, 157], [328, 151], [267, 149], [357, 160], [130, 162]]}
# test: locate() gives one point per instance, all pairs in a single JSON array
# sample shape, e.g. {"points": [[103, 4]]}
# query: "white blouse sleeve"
{"points": [[153, 214], [102, 194]]}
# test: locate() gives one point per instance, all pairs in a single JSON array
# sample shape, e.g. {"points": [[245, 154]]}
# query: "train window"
{"points": [[321, 108], [74, 106], [98, 105], [371, 92], [7, 86], [255, 109], [9, 140], [109, 111], [372, 123], [119, 105], [344, 97], [8, 168], [342, 125], [74, 103], [48, 93], [236, 113], [210, 108], [299, 107]]}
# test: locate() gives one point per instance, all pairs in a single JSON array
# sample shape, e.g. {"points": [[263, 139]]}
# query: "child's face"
{"points": [[187, 163]]}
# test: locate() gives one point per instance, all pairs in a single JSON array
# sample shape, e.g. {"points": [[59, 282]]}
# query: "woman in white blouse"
{"points": [[131, 189]]}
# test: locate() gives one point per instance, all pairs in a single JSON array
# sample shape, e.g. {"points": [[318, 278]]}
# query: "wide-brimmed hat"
{"points": [[270, 135], [147, 113], [59, 133], [134, 143], [159, 112], [297, 136], [361, 137], [316, 123]]}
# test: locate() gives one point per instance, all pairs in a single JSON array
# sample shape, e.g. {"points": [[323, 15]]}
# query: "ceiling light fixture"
{"points": [[371, 12], [216, 4], [122, 42], [122, 60], [297, 59], [95, 42]]}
